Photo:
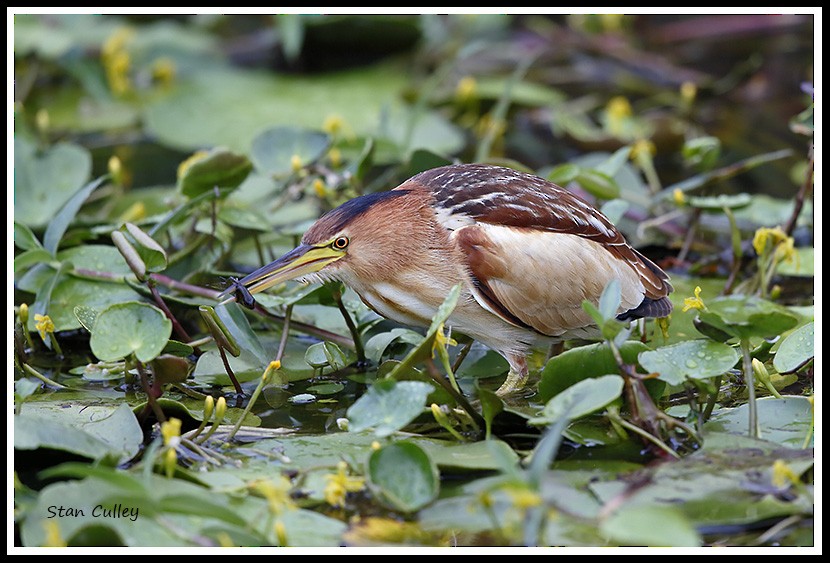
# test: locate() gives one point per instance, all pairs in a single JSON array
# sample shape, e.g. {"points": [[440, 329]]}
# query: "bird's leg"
{"points": [[516, 377]]}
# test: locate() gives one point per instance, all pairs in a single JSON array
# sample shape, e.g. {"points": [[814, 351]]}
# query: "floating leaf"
{"points": [[276, 151], [694, 359], [45, 180], [130, 328], [404, 476], [388, 406], [580, 399], [785, 421], [218, 168], [744, 316], [796, 349], [326, 354], [652, 526]]}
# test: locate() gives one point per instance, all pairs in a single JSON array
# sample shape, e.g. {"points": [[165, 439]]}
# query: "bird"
{"points": [[525, 251]]}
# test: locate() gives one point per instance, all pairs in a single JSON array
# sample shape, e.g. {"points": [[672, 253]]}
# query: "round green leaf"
{"points": [[796, 350], [694, 359], [786, 421], [581, 399], [130, 328], [218, 168], [744, 316], [652, 526], [44, 180], [274, 151], [404, 476], [388, 406]]}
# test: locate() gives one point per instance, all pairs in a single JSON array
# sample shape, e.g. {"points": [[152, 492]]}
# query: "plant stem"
{"points": [[749, 380], [358, 344], [33, 372]]}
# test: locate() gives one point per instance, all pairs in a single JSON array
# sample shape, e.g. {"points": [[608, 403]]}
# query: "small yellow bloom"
{"points": [[679, 197], [442, 340], [118, 73], [171, 430], [617, 112], [782, 474], [688, 92], [136, 212], [277, 493], [42, 119], [23, 313], [170, 460], [319, 188], [768, 238], [524, 498], [642, 148], [333, 124], [296, 163], [53, 534], [376, 445], [225, 540], [44, 325], [786, 251], [694, 302], [163, 70], [335, 157], [339, 484], [117, 42], [663, 324], [190, 161], [221, 406], [466, 89]]}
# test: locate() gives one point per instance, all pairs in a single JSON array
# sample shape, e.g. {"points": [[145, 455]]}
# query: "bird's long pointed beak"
{"points": [[303, 260]]}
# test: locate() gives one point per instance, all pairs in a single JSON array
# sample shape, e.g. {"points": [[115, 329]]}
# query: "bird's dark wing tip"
{"points": [[648, 308]]}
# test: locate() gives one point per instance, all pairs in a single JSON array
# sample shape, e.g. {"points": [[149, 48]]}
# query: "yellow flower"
{"points": [[679, 197], [441, 340], [782, 474], [118, 73], [335, 157], [466, 89], [44, 325], [641, 148], [53, 535], [688, 92], [164, 70], [171, 430], [339, 484], [786, 251], [277, 493], [694, 302], [116, 42], [296, 163], [768, 238], [333, 124], [617, 112], [663, 325], [170, 459], [319, 188], [524, 498]]}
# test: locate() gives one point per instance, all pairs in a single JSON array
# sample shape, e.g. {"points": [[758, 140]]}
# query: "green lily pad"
{"points": [[580, 399], [45, 180], [796, 349], [785, 421], [388, 406], [130, 328], [404, 476], [743, 316], [218, 168], [694, 359], [70, 291], [326, 354], [275, 151], [650, 525]]}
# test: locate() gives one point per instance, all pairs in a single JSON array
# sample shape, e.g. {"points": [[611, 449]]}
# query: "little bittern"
{"points": [[526, 251]]}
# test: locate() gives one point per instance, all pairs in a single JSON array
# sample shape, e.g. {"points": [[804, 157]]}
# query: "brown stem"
{"points": [[347, 317], [151, 396], [228, 369], [180, 331], [801, 196]]}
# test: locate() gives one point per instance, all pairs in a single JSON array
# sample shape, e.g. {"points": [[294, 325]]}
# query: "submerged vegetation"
{"points": [[159, 159]]}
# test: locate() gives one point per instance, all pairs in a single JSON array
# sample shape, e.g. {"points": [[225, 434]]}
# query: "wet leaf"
{"points": [[580, 399], [388, 406], [784, 421], [796, 349], [744, 316], [326, 354], [70, 292], [276, 151], [129, 328], [485, 455], [694, 359], [404, 476]]}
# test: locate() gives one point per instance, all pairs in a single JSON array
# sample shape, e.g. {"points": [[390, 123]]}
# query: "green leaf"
{"points": [[564, 174], [44, 181], [24, 238], [70, 291], [491, 405], [652, 526], [694, 359], [275, 150], [580, 399], [598, 184], [744, 316], [86, 316], [718, 202], [377, 344], [609, 301], [236, 323], [796, 349], [218, 168], [404, 476], [60, 222], [702, 152], [388, 406], [130, 328], [326, 354], [584, 362], [484, 455], [151, 252], [785, 421], [31, 257]]}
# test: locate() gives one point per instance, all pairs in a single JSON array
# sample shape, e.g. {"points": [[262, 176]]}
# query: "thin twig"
{"points": [[806, 186], [347, 317]]}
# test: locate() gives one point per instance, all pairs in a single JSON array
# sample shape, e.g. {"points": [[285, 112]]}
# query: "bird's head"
{"points": [[356, 240]]}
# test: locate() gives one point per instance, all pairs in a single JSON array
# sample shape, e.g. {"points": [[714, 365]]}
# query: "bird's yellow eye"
{"points": [[340, 243]]}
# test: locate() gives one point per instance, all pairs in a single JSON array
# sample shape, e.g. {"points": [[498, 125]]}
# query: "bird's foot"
{"points": [[515, 382]]}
